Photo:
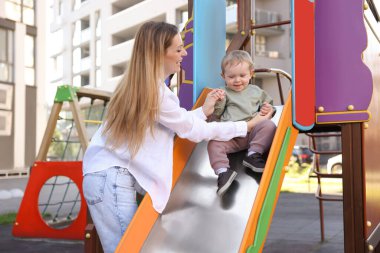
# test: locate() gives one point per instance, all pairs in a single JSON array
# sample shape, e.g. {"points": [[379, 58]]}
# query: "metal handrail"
{"points": [[274, 70], [278, 72], [285, 22]]}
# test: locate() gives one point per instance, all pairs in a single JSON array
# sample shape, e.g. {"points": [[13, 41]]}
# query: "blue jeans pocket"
{"points": [[93, 187], [124, 179], [125, 197]]}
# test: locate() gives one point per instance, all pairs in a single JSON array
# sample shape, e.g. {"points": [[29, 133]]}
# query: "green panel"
{"points": [[265, 214], [65, 93]]}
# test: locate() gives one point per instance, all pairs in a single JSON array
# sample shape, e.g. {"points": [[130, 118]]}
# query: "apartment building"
{"points": [[22, 81], [94, 38]]}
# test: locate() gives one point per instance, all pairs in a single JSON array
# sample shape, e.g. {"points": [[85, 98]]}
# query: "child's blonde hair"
{"points": [[235, 57]]}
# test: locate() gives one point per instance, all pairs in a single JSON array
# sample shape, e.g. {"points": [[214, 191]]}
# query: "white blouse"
{"points": [[152, 165]]}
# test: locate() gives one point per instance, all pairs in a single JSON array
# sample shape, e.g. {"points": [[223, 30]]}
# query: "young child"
{"points": [[241, 101]]}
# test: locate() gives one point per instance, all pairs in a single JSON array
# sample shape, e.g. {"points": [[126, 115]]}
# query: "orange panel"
{"points": [[29, 222]]}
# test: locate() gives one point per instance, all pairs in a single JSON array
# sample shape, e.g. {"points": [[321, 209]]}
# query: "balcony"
{"points": [[136, 15], [81, 37], [119, 53], [121, 5], [231, 18], [83, 66], [268, 17]]}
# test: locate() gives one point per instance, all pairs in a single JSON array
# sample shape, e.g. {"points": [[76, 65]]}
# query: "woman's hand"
{"points": [[258, 118], [212, 97]]}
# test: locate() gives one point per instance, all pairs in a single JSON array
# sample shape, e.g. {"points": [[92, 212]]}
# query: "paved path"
{"points": [[294, 229]]}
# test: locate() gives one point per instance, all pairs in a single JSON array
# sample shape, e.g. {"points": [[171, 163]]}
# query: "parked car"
{"points": [[334, 165], [302, 155]]}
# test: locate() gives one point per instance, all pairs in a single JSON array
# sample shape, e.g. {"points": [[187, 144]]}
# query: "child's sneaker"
{"points": [[255, 162], [225, 180]]}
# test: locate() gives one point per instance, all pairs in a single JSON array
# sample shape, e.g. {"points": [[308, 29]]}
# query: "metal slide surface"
{"points": [[196, 219]]}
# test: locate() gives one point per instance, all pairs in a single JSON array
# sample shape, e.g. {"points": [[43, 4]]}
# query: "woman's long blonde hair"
{"points": [[134, 106]]}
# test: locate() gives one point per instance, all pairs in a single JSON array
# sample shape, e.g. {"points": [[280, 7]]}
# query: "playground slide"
{"points": [[196, 219]]}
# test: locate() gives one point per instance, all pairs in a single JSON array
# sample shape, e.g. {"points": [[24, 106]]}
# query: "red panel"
{"points": [[29, 222], [304, 64]]}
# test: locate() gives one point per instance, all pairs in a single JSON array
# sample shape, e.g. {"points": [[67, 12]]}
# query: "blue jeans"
{"points": [[111, 198]]}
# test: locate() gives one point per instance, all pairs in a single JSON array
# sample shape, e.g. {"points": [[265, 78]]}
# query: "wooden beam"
{"points": [[94, 94], [190, 5], [353, 189], [92, 242], [49, 132], [79, 124]]}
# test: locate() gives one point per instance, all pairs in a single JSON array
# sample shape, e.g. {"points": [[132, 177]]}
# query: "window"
{"points": [[81, 31], [6, 97], [6, 55], [20, 10], [98, 25], [182, 17], [81, 80], [57, 64], [85, 80], [61, 7], [77, 4], [98, 77], [260, 45], [230, 2], [29, 60], [98, 58]]}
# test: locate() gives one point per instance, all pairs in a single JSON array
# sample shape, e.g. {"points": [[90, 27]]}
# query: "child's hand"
{"points": [[266, 109], [212, 97], [258, 118]]}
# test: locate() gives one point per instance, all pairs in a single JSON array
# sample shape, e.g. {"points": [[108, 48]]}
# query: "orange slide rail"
{"points": [[285, 123]]}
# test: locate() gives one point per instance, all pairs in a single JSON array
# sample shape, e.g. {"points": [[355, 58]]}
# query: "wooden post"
{"points": [[353, 188], [92, 242], [242, 39], [190, 5], [49, 132], [79, 123]]}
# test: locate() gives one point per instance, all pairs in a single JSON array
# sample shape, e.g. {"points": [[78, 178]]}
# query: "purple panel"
{"points": [[186, 90], [190, 25], [186, 96], [342, 78], [342, 117], [187, 65]]}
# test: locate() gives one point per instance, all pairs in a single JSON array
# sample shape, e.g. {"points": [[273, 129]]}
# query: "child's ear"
{"points": [[222, 75], [252, 72]]}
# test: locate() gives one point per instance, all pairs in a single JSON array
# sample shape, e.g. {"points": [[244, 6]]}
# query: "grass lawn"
{"points": [[7, 218], [300, 179]]}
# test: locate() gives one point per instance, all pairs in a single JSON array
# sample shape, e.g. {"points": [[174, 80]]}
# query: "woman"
{"points": [[133, 150]]}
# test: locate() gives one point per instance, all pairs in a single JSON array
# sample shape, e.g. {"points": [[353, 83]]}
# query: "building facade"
{"points": [[22, 82], [97, 37]]}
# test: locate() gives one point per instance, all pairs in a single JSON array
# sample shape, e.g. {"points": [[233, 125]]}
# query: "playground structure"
{"points": [[335, 54], [62, 214]]}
